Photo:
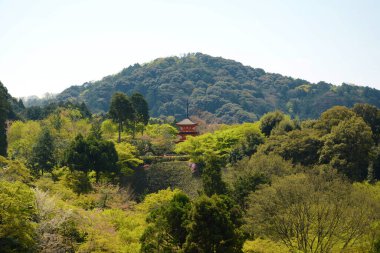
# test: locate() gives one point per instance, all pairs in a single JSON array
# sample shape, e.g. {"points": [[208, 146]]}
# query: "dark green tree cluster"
{"points": [[208, 224], [41, 112], [92, 154], [127, 111], [42, 157], [345, 138]]}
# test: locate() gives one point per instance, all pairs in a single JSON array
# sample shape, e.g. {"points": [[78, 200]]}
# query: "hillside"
{"points": [[218, 90]]}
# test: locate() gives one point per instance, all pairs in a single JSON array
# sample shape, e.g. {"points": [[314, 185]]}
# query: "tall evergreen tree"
{"points": [[76, 156], [141, 111], [121, 111], [42, 158]]}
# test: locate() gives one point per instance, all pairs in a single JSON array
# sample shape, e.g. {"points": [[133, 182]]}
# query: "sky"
{"points": [[49, 45]]}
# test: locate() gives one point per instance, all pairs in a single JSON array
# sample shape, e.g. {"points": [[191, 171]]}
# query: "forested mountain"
{"points": [[218, 90]]}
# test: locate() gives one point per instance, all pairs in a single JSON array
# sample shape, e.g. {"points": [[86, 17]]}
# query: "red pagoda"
{"points": [[186, 127]]}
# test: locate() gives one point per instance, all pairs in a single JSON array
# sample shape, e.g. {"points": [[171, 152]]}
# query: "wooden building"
{"points": [[186, 127]]}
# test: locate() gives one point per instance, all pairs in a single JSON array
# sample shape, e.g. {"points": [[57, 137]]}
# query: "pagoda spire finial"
{"points": [[187, 108]]}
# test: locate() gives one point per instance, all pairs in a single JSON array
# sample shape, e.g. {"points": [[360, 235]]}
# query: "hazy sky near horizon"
{"points": [[49, 45]]}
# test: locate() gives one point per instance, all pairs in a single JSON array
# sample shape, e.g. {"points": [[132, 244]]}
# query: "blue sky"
{"points": [[49, 45]]}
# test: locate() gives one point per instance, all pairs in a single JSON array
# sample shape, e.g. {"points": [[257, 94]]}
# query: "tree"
{"points": [[166, 230], [231, 143], [312, 212], [121, 111], [42, 157], [141, 111], [57, 229], [102, 156], [347, 148], [332, 117], [162, 138], [371, 116], [299, 146], [14, 170], [92, 154], [127, 161], [76, 155], [21, 139], [4, 111], [214, 226], [270, 120], [17, 212], [249, 174], [212, 176]]}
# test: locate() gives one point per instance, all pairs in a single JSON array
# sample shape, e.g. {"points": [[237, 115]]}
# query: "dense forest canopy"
{"points": [[219, 90], [120, 180], [72, 181]]}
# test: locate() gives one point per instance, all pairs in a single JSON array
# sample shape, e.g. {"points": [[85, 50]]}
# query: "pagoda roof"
{"points": [[186, 122]]}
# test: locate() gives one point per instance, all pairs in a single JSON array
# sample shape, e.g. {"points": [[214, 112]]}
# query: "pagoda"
{"points": [[186, 127]]}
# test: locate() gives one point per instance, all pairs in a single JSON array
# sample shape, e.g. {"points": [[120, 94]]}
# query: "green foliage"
{"points": [[109, 129], [158, 138], [370, 193], [141, 112], [219, 90], [298, 146], [332, 117], [222, 143], [21, 138], [212, 177], [121, 111], [214, 226], [102, 156], [166, 230], [63, 127], [260, 245], [249, 174], [289, 198], [371, 116], [348, 136], [100, 235], [315, 212], [173, 175], [92, 154], [42, 155], [57, 228], [4, 113], [17, 210], [41, 112], [128, 160], [270, 120], [77, 181], [76, 156], [56, 187], [13, 171]]}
